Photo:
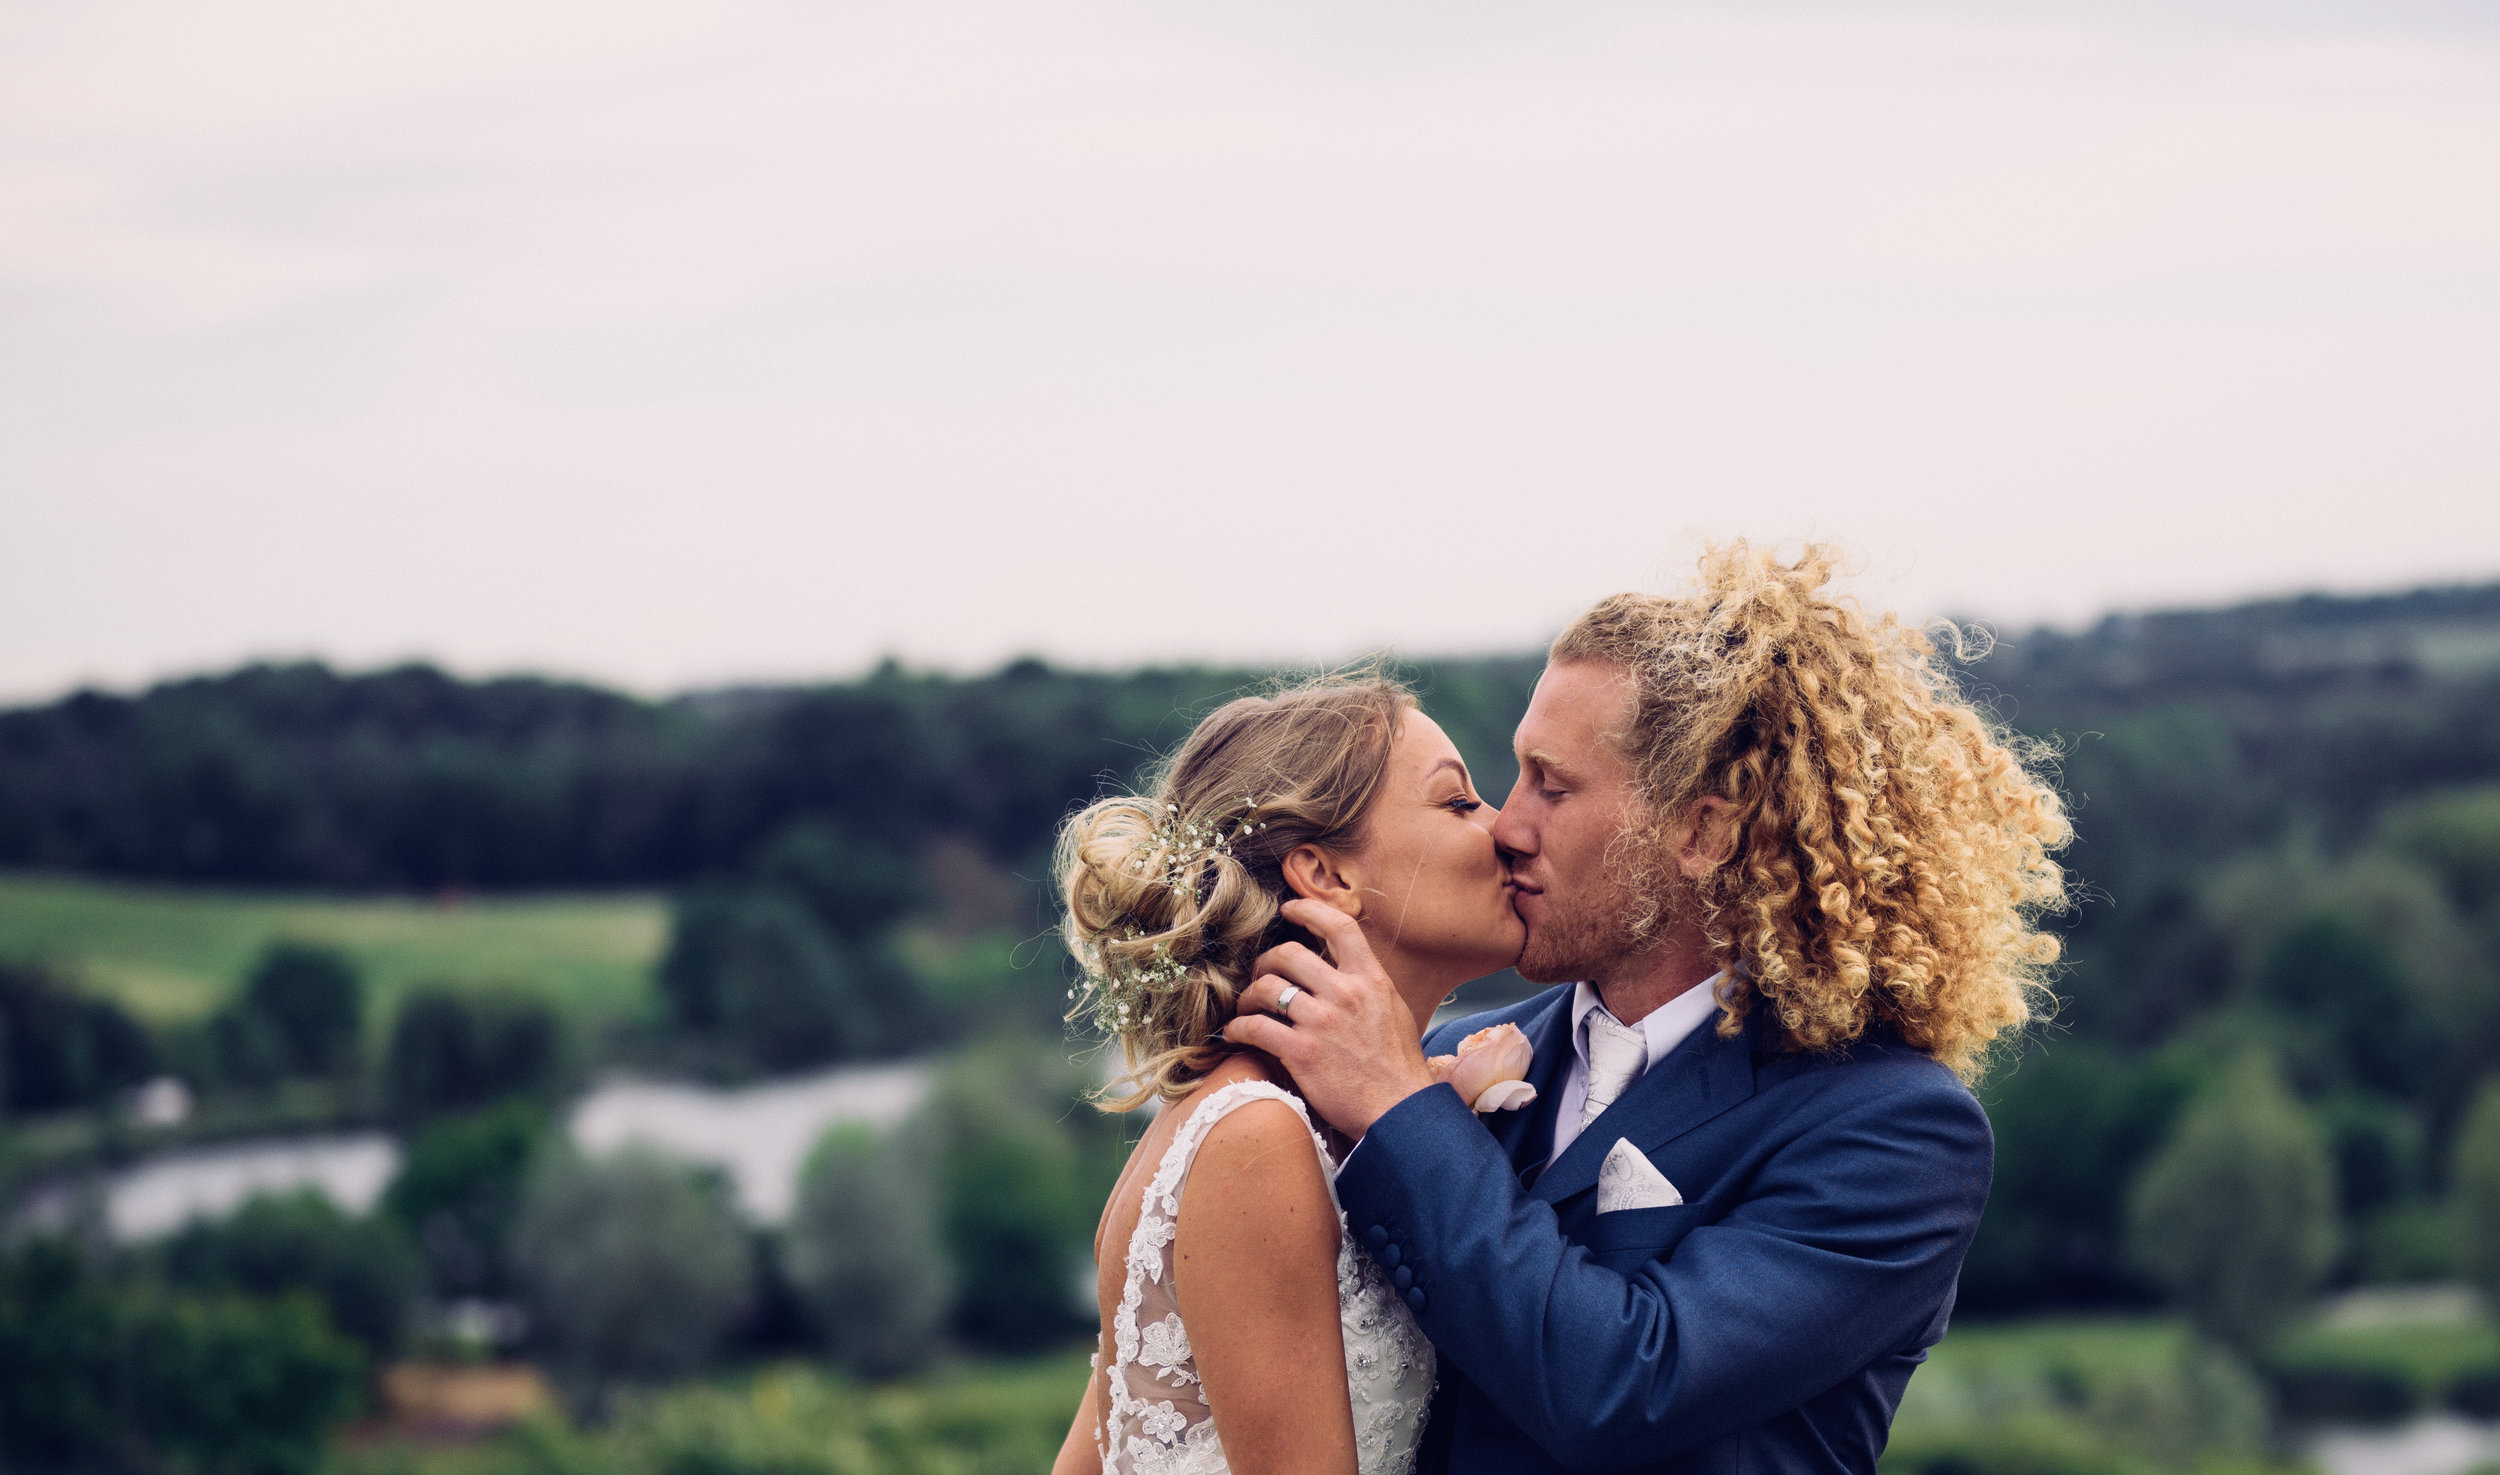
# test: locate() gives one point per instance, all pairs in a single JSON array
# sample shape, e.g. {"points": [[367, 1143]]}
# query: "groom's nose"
{"points": [[1512, 837]]}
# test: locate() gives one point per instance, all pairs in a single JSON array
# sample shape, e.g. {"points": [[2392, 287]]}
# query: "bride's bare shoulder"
{"points": [[1261, 1147]]}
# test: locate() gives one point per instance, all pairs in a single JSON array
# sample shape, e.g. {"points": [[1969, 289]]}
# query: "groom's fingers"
{"points": [[1347, 947], [1264, 991], [1262, 1032], [1299, 965]]}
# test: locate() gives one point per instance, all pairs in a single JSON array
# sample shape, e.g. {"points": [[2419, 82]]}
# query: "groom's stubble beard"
{"points": [[1588, 933]]}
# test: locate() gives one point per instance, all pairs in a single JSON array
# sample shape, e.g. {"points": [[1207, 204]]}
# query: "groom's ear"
{"points": [[1706, 838], [1314, 873]]}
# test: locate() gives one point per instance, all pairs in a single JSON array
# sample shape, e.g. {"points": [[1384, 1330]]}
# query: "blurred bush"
{"points": [[2075, 1125], [986, 1419], [2351, 1015], [60, 1049], [2457, 835], [364, 1272], [62, 1385], [110, 1374], [2376, 1147], [458, 1193], [235, 1384], [755, 970], [2409, 1244], [2343, 1393], [855, 886], [458, 1050], [864, 1252], [2475, 1183], [2036, 1443], [632, 1267], [300, 1013], [1022, 1159], [2235, 1217], [2475, 1394]]}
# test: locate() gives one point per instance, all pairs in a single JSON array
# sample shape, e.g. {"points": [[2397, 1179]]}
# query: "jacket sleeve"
{"points": [[1845, 1245]]}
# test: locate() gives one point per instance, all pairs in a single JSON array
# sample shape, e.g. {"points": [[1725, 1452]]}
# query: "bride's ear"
{"points": [[1313, 873]]}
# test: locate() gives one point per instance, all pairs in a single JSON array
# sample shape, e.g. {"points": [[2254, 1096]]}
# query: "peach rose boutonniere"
{"points": [[1489, 1071]]}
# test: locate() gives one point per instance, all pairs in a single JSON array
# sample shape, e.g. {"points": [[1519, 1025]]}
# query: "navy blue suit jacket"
{"points": [[1767, 1323]]}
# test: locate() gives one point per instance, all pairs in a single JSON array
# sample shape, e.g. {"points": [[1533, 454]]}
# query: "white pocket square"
{"points": [[1629, 1180]]}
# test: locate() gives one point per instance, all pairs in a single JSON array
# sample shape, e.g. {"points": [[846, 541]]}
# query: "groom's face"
{"points": [[1574, 796]]}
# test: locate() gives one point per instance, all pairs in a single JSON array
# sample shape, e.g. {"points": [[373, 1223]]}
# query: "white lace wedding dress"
{"points": [[1159, 1423]]}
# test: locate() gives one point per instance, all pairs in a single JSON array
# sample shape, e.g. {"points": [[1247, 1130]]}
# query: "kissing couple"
{"points": [[1786, 883]]}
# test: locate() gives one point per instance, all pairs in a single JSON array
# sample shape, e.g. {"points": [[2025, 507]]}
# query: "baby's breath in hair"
{"points": [[1122, 974], [1182, 846]]}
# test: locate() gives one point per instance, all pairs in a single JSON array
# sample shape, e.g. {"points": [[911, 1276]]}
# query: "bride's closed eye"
{"points": [[1462, 804]]}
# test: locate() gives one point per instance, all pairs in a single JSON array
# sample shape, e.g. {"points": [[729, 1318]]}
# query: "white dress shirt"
{"points": [[1664, 1028]]}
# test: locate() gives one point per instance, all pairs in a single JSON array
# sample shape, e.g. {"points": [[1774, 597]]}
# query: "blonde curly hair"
{"points": [[1170, 895], [1891, 845]]}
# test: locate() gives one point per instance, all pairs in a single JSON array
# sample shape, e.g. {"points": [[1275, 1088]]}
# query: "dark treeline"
{"points": [[409, 778], [2188, 735]]}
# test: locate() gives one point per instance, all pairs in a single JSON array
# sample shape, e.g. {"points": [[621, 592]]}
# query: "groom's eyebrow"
{"points": [[1545, 760]]}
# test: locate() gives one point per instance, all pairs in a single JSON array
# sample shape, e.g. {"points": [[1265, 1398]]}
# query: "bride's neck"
{"points": [[1420, 984]]}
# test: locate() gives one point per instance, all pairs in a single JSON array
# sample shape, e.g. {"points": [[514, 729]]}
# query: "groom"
{"points": [[1786, 881]]}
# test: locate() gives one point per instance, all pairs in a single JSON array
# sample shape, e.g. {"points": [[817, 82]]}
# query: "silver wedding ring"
{"points": [[1284, 1001]]}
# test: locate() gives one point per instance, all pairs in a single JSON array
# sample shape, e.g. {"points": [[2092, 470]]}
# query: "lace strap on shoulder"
{"points": [[1162, 1204], [1220, 1103]]}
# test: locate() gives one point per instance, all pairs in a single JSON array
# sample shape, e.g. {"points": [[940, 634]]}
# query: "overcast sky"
{"points": [[671, 342]]}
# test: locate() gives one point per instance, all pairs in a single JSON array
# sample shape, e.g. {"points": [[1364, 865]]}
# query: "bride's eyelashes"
{"points": [[1462, 804]]}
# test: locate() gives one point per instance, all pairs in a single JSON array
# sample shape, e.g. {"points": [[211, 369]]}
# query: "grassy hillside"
{"points": [[171, 954]]}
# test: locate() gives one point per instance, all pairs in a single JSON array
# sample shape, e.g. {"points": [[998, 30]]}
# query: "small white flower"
{"points": [[1165, 1344], [1162, 1422]]}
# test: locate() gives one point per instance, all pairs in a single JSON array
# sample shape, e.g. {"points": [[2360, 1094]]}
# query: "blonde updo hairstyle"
{"points": [[1170, 895]]}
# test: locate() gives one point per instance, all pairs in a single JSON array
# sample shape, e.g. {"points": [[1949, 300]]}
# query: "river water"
{"points": [[759, 1135]]}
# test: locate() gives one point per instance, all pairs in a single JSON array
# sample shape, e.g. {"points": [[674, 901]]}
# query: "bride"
{"points": [[1243, 1329]]}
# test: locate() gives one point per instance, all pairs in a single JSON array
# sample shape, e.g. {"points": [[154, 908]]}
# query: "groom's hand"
{"points": [[1349, 1040]]}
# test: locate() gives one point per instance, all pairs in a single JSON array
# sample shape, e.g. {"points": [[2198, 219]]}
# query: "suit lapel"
{"points": [[1527, 1134], [1699, 1079]]}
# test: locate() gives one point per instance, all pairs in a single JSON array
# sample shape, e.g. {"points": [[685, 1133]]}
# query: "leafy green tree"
{"points": [[60, 1050], [2346, 996], [2235, 1217], [452, 1051], [630, 1266], [2377, 1147], [856, 886], [237, 1385], [2474, 1183], [106, 1375], [301, 1013], [61, 1334], [1020, 1191], [2075, 1123], [458, 1192], [863, 1249], [364, 1272], [2456, 834], [757, 969]]}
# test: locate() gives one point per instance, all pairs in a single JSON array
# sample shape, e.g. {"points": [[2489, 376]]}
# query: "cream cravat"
{"points": [[1618, 1054]]}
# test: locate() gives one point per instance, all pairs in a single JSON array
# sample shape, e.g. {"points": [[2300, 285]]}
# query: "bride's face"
{"points": [[1432, 885]]}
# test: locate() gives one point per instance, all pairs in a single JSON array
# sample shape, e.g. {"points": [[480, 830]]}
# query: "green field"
{"points": [[1001, 1417], [171, 954]]}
